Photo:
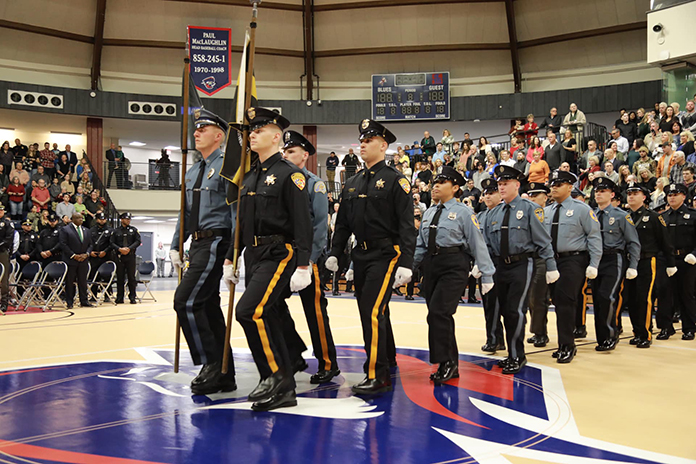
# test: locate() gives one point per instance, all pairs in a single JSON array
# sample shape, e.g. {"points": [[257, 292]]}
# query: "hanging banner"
{"points": [[209, 51]]}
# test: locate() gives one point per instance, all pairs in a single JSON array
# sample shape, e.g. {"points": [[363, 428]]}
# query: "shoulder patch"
{"points": [[662, 221], [593, 216], [629, 220], [475, 221], [405, 184], [299, 180], [320, 187], [539, 213]]}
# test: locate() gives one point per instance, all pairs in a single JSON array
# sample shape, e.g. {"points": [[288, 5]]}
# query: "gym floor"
{"points": [[97, 386]]}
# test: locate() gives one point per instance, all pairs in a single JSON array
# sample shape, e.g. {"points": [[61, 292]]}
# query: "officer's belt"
{"points": [[515, 258], [377, 243], [646, 255], [612, 251], [201, 234], [680, 252], [267, 240], [565, 254], [446, 250]]}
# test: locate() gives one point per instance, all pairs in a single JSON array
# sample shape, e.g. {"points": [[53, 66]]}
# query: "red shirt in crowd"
{"points": [[16, 189], [48, 159], [39, 194]]}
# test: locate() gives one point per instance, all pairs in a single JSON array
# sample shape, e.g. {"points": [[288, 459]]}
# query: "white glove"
{"points": [[175, 257], [552, 276], [485, 288], [403, 276], [591, 272], [475, 272], [631, 273], [671, 271], [332, 264], [691, 259], [350, 275], [300, 279], [229, 276]]}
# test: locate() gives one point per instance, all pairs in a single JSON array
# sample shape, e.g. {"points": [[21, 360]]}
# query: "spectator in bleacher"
{"points": [[467, 139], [447, 140], [658, 197], [516, 131], [40, 196], [570, 149], [426, 196], [479, 174], [85, 183], [584, 160], [65, 209], [530, 128], [437, 169], [47, 159], [40, 174], [628, 129], [32, 159], [456, 151], [6, 156], [79, 205], [654, 137], [565, 166], [514, 146], [54, 189], [63, 167], [668, 120], [643, 123], [72, 157], [425, 175], [505, 159], [688, 117], [428, 145], [483, 149], [538, 170], [553, 153], [622, 145], [609, 171], [689, 180], [92, 205], [624, 177], [646, 179], [23, 159], [645, 161], [521, 163], [20, 149], [418, 203], [66, 186], [666, 161], [83, 166], [593, 166], [587, 190], [491, 163], [448, 161], [610, 157], [575, 122], [56, 151], [78, 191], [676, 129], [331, 165], [21, 173], [634, 154], [439, 153], [406, 170], [469, 153], [16, 192], [676, 173], [4, 183], [686, 144], [34, 216], [43, 218], [552, 122]]}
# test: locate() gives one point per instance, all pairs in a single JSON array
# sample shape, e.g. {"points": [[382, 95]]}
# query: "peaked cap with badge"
{"points": [[503, 172], [208, 118], [295, 139], [489, 185], [537, 187], [261, 117], [451, 174], [562, 177], [604, 183], [369, 128], [677, 188]]}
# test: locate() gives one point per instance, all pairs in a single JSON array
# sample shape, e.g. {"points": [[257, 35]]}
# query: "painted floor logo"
{"points": [[112, 412]]}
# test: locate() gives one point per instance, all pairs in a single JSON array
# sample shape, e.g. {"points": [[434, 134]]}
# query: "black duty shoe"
{"points": [[643, 344], [279, 400], [473, 301], [324, 376], [634, 341], [335, 293], [87, 305], [688, 336], [447, 370], [69, 306], [566, 354], [409, 298], [504, 362], [372, 386], [271, 386], [514, 365], [665, 334], [580, 332], [398, 292], [556, 353], [133, 301], [324, 288], [299, 365], [606, 345], [212, 380], [540, 341], [489, 348], [118, 302]]}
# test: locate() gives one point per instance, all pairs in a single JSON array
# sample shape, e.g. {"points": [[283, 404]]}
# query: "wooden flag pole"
{"points": [[249, 78]]}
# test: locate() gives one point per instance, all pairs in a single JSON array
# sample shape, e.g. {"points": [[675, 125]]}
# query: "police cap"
{"points": [[208, 118], [260, 117], [503, 172], [489, 185], [125, 216], [677, 188], [537, 187], [451, 174], [27, 222], [604, 183], [369, 128], [52, 217], [295, 139], [562, 177], [100, 215]]}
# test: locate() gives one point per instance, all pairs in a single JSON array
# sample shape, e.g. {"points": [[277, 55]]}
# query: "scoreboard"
{"points": [[413, 96]]}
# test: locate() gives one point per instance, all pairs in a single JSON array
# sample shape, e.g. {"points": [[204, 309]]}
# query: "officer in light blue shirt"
{"points": [[516, 234], [448, 236], [620, 255]]}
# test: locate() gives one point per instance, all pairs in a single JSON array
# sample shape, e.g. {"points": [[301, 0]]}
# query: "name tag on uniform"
{"points": [[646, 218], [211, 172], [519, 215], [452, 216], [569, 213], [612, 221]]}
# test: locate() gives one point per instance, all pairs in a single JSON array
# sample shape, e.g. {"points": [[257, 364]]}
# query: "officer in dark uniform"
{"points": [[124, 241], [538, 300], [296, 150], [6, 243], [49, 242], [28, 245], [654, 239], [376, 206], [681, 227], [577, 245], [449, 236], [619, 238], [209, 221], [274, 216], [515, 232], [495, 340], [101, 245]]}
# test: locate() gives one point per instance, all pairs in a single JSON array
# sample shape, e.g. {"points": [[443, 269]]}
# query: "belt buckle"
{"points": [[507, 260], [256, 242], [363, 246], [195, 235]]}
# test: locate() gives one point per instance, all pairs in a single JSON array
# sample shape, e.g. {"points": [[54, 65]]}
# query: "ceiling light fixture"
{"points": [[137, 144]]}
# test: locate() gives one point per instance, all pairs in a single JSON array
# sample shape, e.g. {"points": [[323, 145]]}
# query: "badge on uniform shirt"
{"points": [[687, 216], [211, 172], [646, 218], [569, 213], [519, 215], [320, 187], [612, 221], [475, 221], [452, 216], [299, 180], [379, 184], [270, 180], [629, 220], [662, 220], [539, 213], [405, 185], [592, 215]]}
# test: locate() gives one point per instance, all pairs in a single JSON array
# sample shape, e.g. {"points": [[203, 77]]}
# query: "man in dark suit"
{"points": [[72, 157], [111, 157], [553, 152], [76, 243]]}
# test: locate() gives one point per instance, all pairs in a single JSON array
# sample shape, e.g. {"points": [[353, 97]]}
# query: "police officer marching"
{"points": [[124, 241], [448, 237], [639, 292], [619, 237], [681, 227], [376, 206], [28, 245], [6, 243], [296, 150], [208, 220], [495, 340], [515, 231], [49, 242], [274, 215], [577, 246], [538, 301]]}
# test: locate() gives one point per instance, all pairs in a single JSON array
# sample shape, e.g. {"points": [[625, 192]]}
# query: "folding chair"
{"points": [[52, 280], [12, 280], [145, 271], [26, 282], [103, 278]]}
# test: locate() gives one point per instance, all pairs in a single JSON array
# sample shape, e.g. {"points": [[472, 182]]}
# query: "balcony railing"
{"points": [[149, 175]]}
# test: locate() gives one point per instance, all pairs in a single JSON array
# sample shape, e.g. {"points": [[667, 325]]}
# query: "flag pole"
{"points": [[182, 209], [249, 78]]}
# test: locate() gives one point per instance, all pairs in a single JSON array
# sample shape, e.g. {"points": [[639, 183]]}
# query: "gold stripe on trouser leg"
{"points": [[258, 312], [648, 316], [584, 301], [375, 310], [618, 306], [320, 318]]}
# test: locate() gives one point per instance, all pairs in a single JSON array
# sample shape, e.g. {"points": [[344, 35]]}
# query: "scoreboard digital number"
{"points": [[413, 96]]}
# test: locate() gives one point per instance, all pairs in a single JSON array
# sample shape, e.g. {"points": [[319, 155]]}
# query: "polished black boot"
{"points": [[324, 376], [372, 386], [580, 332], [539, 341], [491, 348], [688, 336], [514, 365], [279, 400], [643, 344], [447, 370], [212, 380], [606, 345], [665, 334], [276, 383], [566, 354]]}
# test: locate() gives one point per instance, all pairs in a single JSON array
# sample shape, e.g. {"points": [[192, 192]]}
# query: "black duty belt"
{"points": [[646, 255], [565, 254], [681, 252], [267, 240], [201, 234], [447, 250], [377, 243], [515, 258], [612, 251]]}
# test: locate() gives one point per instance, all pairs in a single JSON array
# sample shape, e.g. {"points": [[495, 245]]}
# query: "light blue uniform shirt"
{"points": [[526, 231], [578, 229], [214, 212], [619, 233], [319, 209], [457, 226]]}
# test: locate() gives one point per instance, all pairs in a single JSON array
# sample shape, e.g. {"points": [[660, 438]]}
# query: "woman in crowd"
{"points": [[646, 179], [591, 169], [484, 148], [516, 132], [447, 140], [514, 146], [438, 167], [634, 154], [644, 161], [534, 148], [16, 193], [676, 129], [6, 156], [667, 122], [30, 161], [657, 197], [624, 173], [405, 170], [588, 191], [686, 144], [531, 128], [426, 173], [491, 163], [470, 152], [628, 129], [570, 147], [79, 206], [43, 220], [521, 163], [67, 186], [417, 170], [83, 166], [643, 123], [538, 170]]}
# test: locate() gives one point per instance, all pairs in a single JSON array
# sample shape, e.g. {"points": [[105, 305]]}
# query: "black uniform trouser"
{"points": [[445, 278], [197, 301], [374, 277], [566, 294], [268, 272], [538, 303], [681, 290], [314, 303], [639, 294], [606, 295], [5, 283], [391, 343], [581, 304], [471, 284], [125, 267], [76, 271], [513, 282], [491, 312], [410, 287]]}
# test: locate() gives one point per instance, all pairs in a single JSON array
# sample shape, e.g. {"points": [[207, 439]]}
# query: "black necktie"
{"points": [[432, 237], [196, 202], [249, 216], [600, 218], [505, 234], [360, 206], [554, 228]]}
